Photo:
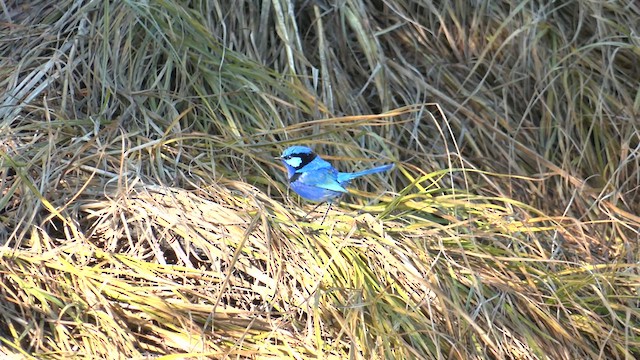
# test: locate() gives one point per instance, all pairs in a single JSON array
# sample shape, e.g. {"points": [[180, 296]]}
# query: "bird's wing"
{"points": [[324, 179]]}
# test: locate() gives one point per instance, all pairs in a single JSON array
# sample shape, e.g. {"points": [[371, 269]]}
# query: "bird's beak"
{"points": [[277, 158]]}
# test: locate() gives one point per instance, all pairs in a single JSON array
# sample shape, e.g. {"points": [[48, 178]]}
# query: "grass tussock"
{"points": [[142, 213]]}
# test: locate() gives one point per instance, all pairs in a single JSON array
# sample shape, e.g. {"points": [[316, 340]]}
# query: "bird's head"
{"points": [[296, 157]]}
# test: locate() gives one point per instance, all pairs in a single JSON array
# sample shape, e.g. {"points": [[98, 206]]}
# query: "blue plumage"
{"points": [[314, 178]]}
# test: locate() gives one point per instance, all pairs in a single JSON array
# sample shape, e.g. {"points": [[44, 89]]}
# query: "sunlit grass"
{"points": [[142, 213]]}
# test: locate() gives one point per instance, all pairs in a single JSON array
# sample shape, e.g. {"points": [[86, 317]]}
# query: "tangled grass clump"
{"points": [[142, 213]]}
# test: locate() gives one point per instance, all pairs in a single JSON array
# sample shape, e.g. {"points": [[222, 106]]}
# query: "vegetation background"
{"points": [[142, 213]]}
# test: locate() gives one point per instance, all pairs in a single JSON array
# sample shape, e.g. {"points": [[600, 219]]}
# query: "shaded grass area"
{"points": [[142, 212]]}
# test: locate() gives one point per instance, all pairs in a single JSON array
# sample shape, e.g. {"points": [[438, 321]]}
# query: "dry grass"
{"points": [[142, 213]]}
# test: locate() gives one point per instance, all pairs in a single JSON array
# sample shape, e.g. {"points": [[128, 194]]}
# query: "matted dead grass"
{"points": [[142, 213]]}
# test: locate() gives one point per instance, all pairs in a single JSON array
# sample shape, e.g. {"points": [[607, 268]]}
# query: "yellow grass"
{"points": [[142, 213]]}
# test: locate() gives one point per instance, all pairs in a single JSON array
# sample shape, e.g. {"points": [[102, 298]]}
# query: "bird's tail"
{"points": [[349, 176]]}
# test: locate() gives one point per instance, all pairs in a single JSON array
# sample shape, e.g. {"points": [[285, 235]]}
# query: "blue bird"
{"points": [[314, 178]]}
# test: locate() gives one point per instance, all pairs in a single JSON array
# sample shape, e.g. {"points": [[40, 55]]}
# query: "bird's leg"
{"points": [[325, 214], [312, 210]]}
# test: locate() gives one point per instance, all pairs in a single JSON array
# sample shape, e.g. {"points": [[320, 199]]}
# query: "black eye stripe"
{"points": [[305, 158]]}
